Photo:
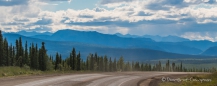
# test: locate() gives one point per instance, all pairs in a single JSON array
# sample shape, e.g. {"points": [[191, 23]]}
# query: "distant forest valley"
{"points": [[28, 58]]}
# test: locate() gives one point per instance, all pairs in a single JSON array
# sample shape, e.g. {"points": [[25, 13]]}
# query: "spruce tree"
{"points": [[173, 66], [1, 49], [150, 68], [40, 59], [142, 67], [87, 63], [105, 63], [101, 64], [91, 62], [10, 55], [34, 57], [78, 62], [13, 56], [181, 66], [159, 66], [60, 59], [17, 53], [110, 64], [5, 53], [26, 56], [132, 65], [20, 52], [121, 63], [168, 65], [56, 61], [44, 57], [115, 65], [31, 55], [73, 59]]}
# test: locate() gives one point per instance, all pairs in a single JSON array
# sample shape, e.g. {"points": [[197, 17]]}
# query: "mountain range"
{"points": [[132, 48], [156, 38]]}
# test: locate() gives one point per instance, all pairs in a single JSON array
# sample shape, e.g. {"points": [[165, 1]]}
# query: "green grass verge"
{"points": [[18, 71], [196, 80], [14, 71]]}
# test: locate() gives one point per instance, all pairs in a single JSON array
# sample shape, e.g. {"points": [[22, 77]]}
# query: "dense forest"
{"points": [[36, 58]]}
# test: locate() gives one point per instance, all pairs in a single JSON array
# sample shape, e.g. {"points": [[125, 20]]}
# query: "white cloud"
{"points": [[124, 16], [201, 36]]}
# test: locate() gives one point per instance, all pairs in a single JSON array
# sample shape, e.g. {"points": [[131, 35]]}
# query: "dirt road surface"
{"points": [[93, 79]]}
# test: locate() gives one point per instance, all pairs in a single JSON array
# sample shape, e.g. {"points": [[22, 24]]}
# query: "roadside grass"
{"points": [[25, 71], [15, 71], [195, 81], [199, 66]]}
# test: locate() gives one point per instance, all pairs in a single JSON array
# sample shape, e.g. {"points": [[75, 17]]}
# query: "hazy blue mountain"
{"points": [[166, 38], [156, 38], [46, 37], [178, 48], [11, 38], [92, 37], [211, 51], [170, 43], [202, 44], [136, 54], [31, 33]]}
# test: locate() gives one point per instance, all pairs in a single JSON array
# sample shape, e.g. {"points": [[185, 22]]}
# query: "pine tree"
{"points": [[78, 62], [168, 65], [87, 63], [95, 67], [91, 62], [13, 56], [10, 55], [31, 55], [5, 51], [44, 57], [127, 67], [73, 59], [20, 52], [56, 61], [132, 65], [60, 59], [101, 64], [146, 67], [8, 50], [142, 67], [17, 53], [159, 66], [173, 66], [181, 66], [35, 56], [26, 56], [40, 59], [121, 63], [1, 49], [110, 64], [105, 63]]}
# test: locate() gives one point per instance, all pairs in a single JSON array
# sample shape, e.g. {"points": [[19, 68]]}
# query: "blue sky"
{"points": [[192, 19]]}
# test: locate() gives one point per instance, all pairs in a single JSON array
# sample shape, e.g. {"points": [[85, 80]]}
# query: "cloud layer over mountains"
{"points": [[193, 19]]}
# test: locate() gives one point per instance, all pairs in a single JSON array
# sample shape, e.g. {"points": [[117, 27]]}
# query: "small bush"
{"points": [[26, 67]]}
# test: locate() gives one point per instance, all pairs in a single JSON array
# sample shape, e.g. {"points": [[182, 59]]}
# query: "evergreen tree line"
{"points": [[34, 57], [37, 59]]}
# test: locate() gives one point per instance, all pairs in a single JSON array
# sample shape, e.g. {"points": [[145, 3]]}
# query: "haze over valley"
{"points": [[131, 47]]}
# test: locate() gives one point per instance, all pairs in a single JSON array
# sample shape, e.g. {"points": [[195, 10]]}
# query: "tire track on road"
{"points": [[60, 79]]}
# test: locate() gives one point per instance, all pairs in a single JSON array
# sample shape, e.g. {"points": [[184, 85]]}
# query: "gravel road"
{"points": [[94, 79]]}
